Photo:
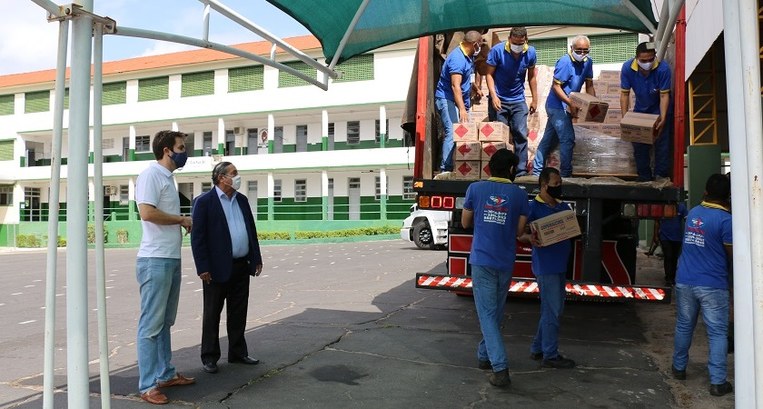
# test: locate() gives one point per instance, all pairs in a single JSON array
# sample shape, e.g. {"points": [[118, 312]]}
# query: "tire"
{"points": [[422, 235]]}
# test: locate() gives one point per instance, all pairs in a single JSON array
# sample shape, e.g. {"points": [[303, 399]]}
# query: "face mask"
{"points": [[578, 57], [646, 66], [235, 182], [554, 191], [517, 48], [477, 50], [179, 158]]}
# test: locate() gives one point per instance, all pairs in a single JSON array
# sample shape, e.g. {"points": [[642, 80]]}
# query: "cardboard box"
{"points": [[466, 169], [610, 129], [638, 127], [611, 99], [609, 75], [494, 132], [556, 227], [467, 150], [613, 88], [465, 131], [490, 148], [613, 116], [485, 171], [592, 109]]}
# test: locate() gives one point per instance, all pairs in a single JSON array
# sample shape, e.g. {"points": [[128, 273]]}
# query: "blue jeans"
{"points": [[714, 303], [449, 116], [490, 287], [552, 295], [662, 159], [515, 116], [159, 280], [558, 130]]}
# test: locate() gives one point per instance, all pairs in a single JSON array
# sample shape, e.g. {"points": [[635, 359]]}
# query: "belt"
{"points": [[241, 260]]}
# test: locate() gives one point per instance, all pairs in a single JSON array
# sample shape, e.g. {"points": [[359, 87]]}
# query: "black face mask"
{"points": [[554, 191]]}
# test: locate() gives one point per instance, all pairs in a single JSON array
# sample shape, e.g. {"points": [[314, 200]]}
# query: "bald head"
{"points": [[473, 36]]}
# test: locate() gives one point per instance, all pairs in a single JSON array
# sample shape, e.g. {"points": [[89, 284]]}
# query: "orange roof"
{"points": [[204, 55]]}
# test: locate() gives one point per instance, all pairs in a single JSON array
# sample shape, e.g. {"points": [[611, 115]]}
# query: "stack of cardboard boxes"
{"points": [[476, 142]]}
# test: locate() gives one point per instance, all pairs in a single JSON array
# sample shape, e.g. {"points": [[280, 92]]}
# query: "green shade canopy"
{"points": [[385, 22]]}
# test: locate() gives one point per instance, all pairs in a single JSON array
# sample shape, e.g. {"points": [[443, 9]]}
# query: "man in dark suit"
{"points": [[226, 253]]}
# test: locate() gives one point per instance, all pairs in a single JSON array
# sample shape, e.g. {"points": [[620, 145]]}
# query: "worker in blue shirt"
{"points": [[650, 81], [508, 64], [702, 283], [549, 265], [452, 93], [497, 209], [671, 233], [570, 73]]}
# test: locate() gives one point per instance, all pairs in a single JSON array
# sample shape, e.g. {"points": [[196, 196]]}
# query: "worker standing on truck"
{"points": [[650, 81], [549, 265], [570, 73], [508, 64], [498, 211], [453, 90], [702, 282]]}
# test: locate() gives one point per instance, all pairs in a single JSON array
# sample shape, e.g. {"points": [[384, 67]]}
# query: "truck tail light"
{"points": [[648, 210], [437, 202]]}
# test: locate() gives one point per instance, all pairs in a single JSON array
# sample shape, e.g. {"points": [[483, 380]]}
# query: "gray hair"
{"points": [[580, 38], [472, 36]]}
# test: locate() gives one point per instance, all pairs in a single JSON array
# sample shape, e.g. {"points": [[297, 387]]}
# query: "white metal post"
{"points": [[675, 9], [382, 126], [53, 204]]}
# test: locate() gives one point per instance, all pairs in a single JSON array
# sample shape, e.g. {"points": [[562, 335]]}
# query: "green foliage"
{"points": [[273, 235], [61, 241], [91, 234], [28, 240], [364, 231], [123, 236]]}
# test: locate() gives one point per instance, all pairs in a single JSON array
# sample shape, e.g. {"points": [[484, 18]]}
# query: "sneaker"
{"points": [[484, 364], [500, 378], [559, 362], [720, 390], [536, 356], [678, 374]]}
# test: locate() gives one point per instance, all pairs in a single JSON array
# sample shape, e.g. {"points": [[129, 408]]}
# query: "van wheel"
{"points": [[422, 235]]}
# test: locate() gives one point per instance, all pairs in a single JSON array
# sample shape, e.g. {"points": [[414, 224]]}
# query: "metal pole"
{"points": [[54, 200], [661, 25], [675, 8], [346, 36], [639, 15], [100, 263], [76, 210], [205, 22], [49, 6], [744, 369]]}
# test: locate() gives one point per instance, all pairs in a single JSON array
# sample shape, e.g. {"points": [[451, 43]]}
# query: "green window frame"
{"points": [[152, 89], [246, 78], [114, 93], [7, 104], [359, 68], [613, 48], [197, 83], [288, 80], [6, 150], [548, 50], [38, 101]]}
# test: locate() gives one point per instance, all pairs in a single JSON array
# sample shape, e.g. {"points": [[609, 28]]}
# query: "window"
{"points": [[6, 195], [360, 68], [207, 143], [378, 131], [206, 187], [152, 89], [6, 150], [115, 93], [245, 78], [7, 104], [353, 183], [353, 132], [37, 101], [548, 50], [331, 137], [124, 194], [301, 138], [378, 193], [278, 139], [408, 193], [143, 143], [300, 190], [277, 190], [613, 48], [289, 80], [197, 83]]}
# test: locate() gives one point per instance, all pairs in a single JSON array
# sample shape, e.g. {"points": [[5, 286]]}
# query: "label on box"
{"points": [[467, 169], [465, 131], [638, 127], [467, 151], [493, 131], [592, 109], [556, 227], [490, 148]]}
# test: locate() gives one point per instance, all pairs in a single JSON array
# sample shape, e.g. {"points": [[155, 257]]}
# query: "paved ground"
{"points": [[342, 326]]}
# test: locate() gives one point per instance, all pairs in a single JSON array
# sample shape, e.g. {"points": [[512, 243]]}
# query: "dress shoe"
{"points": [[484, 364], [244, 360], [178, 380], [209, 367], [720, 389], [154, 396], [536, 356], [678, 374], [500, 378], [559, 362]]}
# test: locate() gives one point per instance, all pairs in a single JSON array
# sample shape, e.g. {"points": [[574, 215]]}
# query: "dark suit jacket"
{"points": [[210, 237]]}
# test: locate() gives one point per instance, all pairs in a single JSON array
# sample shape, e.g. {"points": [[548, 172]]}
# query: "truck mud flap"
{"points": [[576, 290]]}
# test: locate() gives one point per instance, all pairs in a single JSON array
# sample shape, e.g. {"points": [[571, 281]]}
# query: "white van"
{"points": [[428, 229]]}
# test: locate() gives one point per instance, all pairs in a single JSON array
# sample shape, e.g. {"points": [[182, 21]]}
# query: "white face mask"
{"points": [[646, 66], [477, 50], [235, 182], [517, 48], [578, 57]]}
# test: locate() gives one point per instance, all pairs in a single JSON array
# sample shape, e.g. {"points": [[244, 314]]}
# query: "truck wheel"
{"points": [[422, 235]]}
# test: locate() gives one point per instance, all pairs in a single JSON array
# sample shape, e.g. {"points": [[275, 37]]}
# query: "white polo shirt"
{"points": [[155, 186]]}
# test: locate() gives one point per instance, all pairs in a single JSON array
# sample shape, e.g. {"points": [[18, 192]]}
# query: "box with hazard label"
{"points": [[638, 127], [465, 131], [494, 132], [592, 109], [466, 169], [467, 150], [490, 148], [556, 227]]}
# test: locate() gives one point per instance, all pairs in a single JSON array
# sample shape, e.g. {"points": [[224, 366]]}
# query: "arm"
{"points": [[625, 100], [730, 258], [151, 214], [455, 85], [521, 227], [664, 104], [200, 240], [532, 80], [557, 89], [491, 88], [467, 218]]}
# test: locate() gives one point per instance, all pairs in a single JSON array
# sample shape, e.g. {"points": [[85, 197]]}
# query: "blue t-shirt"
{"points": [[497, 204], [647, 89], [549, 259], [571, 75], [703, 260], [510, 72], [456, 63], [672, 228]]}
